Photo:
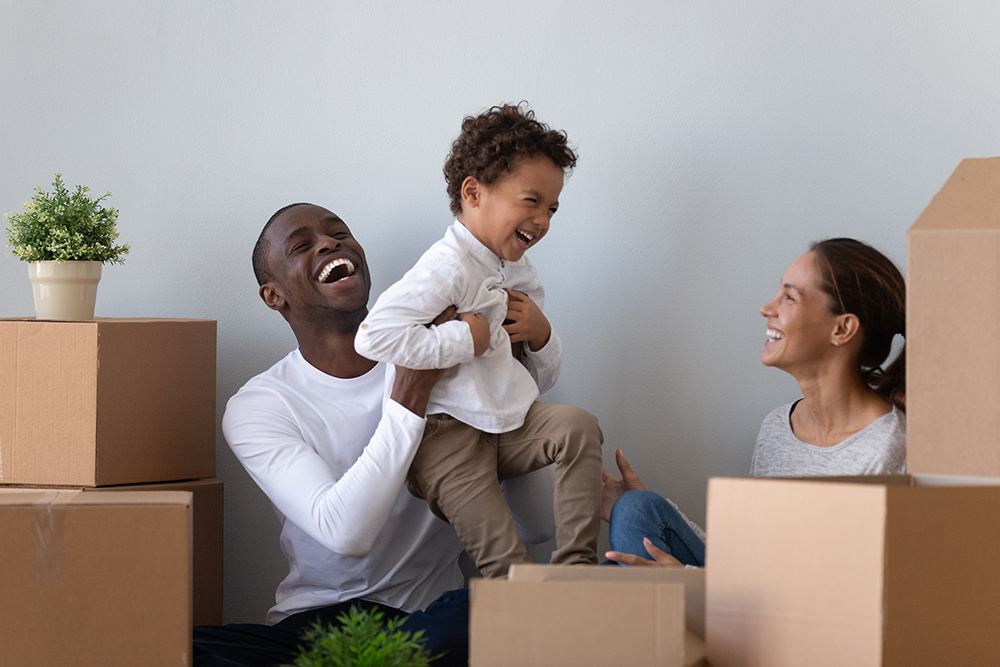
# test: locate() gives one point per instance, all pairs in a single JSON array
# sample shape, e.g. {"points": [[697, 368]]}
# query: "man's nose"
{"points": [[326, 244]]}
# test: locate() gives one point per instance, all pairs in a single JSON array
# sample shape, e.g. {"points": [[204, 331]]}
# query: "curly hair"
{"points": [[493, 143], [858, 279]]}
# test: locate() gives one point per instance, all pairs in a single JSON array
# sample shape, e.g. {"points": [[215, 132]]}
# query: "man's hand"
{"points": [[411, 388], [480, 331], [615, 487], [525, 321], [660, 557]]}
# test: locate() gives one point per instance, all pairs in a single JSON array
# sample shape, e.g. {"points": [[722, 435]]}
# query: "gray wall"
{"points": [[716, 139]]}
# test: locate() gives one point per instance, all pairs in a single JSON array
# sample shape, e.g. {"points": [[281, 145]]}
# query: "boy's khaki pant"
{"points": [[457, 470]]}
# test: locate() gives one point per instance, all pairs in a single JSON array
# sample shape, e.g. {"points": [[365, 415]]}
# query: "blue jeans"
{"points": [[639, 514]]}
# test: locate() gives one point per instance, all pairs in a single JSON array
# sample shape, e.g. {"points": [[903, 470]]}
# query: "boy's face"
{"points": [[513, 214]]}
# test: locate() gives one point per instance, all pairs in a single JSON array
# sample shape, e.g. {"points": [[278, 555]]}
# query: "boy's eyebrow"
{"points": [[792, 287]]}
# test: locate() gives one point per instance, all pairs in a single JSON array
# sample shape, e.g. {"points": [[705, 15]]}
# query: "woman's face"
{"points": [[800, 327]]}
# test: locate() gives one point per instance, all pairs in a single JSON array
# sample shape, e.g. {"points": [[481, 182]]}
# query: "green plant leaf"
{"points": [[363, 640], [62, 226]]}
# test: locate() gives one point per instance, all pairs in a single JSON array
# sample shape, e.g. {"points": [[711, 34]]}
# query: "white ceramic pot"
{"points": [[64, 290]]}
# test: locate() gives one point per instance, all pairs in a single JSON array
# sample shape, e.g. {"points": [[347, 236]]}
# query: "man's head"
{"points": [[310, 267], [505, 173]]}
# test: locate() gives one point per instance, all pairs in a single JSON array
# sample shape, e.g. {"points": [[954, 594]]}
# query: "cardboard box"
{"points": [[207, 518], [95, 578], [112, 401], [541, 616], [953, 327], [893, 572]]}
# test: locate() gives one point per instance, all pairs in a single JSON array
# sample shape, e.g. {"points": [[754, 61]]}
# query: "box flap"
{"points": [[578, 624], [969, 200], [692, 578]]}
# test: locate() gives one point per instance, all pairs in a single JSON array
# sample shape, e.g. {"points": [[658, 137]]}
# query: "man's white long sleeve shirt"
{"points": [[491, 392], [332, 455]]}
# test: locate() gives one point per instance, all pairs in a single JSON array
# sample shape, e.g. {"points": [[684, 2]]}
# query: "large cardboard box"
{"points": [[207, 542], [581, 616], [95, 578], [895, 571], [953, 327], [112, 401]]}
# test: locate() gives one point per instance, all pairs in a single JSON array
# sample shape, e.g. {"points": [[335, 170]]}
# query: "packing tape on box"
{"points": [[50, 533]]}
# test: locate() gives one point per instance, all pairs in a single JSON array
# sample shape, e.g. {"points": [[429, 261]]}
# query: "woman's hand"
{"points": [[615, 487], [660, 558], [525, 321]]}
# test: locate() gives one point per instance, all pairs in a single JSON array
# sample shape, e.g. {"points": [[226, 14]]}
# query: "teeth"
{"points": [[526, 235], [325, 273], [774, 335]]}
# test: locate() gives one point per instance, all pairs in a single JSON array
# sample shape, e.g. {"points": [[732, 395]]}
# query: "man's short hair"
{"points": [[261, 268], [493, 143]]}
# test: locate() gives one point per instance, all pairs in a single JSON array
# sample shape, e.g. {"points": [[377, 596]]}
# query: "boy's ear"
{"points": [[271, 295], [472, 192]]}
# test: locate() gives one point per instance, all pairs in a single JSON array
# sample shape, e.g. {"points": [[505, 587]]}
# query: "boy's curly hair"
{"points": [[492, 143]]}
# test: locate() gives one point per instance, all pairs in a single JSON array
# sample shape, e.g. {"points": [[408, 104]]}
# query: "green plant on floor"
{"points": [[63, 226], [361, 641]]}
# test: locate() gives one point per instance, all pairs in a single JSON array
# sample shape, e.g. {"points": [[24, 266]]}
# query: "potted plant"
{"points": [[65, 238], [361, 641]]}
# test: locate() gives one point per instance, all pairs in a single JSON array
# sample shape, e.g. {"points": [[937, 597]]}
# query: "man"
{"points": [[320, 437]]}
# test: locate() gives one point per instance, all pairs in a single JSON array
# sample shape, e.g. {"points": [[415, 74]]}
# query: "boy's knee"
{"points": [[583, 424]]}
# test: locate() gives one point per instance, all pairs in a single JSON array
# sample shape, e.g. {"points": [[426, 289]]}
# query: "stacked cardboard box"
{"points": [[107, 428], [887, 571]]}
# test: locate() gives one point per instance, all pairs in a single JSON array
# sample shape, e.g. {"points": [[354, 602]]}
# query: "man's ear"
{"points": [[271, 295], [472, 192], [846, 329]]}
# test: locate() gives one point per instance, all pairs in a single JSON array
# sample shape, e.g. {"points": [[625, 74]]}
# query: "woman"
{"points": [[831, 327]]}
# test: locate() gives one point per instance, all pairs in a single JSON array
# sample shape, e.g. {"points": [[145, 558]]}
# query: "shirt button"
{"points": [[502, 264], [364, 326]]}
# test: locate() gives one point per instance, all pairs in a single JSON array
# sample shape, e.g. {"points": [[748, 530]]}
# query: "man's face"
{"points": [[316, 264]]}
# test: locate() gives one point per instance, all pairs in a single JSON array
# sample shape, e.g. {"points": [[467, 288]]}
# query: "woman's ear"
{"points": [[845, 329], [472, 192], [271, 295]]}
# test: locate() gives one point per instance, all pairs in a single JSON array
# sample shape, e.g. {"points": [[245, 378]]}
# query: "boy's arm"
{"points": [[395, 330]]}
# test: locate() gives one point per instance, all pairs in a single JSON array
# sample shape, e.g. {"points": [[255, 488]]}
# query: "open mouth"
{"points": [[773, 335], [338, 269], [524, 237]]}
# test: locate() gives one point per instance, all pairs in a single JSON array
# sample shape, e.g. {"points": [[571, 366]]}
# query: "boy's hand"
{"points": [[525, 321], [480, 331]]}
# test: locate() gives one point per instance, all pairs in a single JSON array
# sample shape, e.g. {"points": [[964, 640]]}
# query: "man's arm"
{"points": [[344, 510]]}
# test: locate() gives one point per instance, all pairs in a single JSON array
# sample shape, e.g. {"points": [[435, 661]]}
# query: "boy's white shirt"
{"points": [[494, 392]]}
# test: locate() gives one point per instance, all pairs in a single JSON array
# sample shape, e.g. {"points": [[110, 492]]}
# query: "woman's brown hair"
{"points": [[860, 280]]}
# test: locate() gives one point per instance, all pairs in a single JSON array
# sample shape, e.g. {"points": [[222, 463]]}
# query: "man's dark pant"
{"points": [[445, 624]]}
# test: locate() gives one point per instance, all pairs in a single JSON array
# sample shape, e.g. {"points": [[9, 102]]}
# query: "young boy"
{"points": [[504, 173]]}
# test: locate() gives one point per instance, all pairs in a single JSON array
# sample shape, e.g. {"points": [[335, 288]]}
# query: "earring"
{"points": [[836, 343]]}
